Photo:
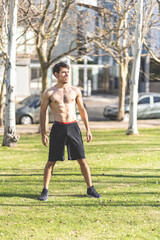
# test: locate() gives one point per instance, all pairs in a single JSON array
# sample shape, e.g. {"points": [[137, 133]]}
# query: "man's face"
{"points": [[63, 75]]}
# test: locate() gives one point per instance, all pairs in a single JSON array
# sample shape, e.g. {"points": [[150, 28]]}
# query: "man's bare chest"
{"points": [[63, 97]]}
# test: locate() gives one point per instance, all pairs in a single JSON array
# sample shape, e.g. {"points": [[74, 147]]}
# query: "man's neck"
{"points": [[62, 85]]}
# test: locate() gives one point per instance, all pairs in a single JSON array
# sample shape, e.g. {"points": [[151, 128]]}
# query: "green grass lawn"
{"points": [[125, 171]]}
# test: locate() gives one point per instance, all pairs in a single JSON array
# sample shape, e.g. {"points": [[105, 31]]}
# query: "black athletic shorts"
{"points": [[68, 134]]}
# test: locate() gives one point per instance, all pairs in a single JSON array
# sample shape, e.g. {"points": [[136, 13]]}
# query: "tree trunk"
{"points": [[44, 75], [2, 98], [132, 127], [41, 46], [10, 136], [122, 90]]}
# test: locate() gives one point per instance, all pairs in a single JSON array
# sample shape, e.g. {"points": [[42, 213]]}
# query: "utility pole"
{"points": [[132, 127]]}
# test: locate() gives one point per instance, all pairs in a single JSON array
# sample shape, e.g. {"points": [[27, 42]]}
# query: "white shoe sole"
{"points": [[92, 196]]}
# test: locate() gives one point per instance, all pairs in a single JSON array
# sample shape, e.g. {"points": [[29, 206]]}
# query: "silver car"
{"points": [[148, 107], [27, 111]]}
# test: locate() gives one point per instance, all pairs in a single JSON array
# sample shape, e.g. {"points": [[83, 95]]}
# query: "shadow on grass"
{"points": [[108, 195], [24, 197], [79, 174], [35, 196], [94, 203], [62, 200], [13, 195], [21, 175], [128, 176]]}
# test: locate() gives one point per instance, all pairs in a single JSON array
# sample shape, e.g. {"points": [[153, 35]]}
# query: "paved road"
{"points": [[95, 106], [155, 123]]}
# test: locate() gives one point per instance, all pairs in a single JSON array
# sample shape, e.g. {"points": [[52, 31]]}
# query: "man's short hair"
{"points": [[57, 67]]}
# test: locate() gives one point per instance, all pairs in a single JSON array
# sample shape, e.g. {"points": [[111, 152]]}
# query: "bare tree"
{"points": [[46, 18], [132, 126], [120, 21], [10, 136], [4, 23]]}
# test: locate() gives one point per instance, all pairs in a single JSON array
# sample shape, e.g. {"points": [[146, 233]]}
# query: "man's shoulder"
{"points": [[76, 89], [48, 92]]}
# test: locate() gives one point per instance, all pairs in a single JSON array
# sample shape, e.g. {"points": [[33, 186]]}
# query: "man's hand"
{"points": [[45, 140], [89, 136]]}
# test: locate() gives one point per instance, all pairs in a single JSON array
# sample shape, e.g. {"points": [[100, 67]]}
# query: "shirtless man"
{"points": [[62, 99]]}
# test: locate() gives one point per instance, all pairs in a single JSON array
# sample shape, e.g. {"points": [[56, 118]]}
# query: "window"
{"points": [[156, 99], [35, 103], [145, 100], [35, 74]]}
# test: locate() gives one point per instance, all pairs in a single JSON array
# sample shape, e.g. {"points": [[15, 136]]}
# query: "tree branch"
{"points": [[41, 26], [151, 53], [53, 19], [60, 22]]}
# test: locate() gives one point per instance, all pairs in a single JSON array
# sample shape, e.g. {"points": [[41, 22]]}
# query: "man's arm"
{"points": [[43, 109], [83, 114]]}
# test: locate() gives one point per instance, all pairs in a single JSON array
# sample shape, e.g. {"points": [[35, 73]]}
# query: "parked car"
{"points": [[148, 107], [27, 111]]}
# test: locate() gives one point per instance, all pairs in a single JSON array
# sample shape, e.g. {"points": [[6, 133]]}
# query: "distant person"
{"points": [[62, 99]]}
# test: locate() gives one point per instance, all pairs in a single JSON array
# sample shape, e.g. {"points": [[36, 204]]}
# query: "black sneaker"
{"points": [[44, 195], [91, 192]]}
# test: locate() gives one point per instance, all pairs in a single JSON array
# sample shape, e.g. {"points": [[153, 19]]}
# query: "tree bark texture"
{"points": [[122, 89], [44, 75], [132, 126], [2, 98]]}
